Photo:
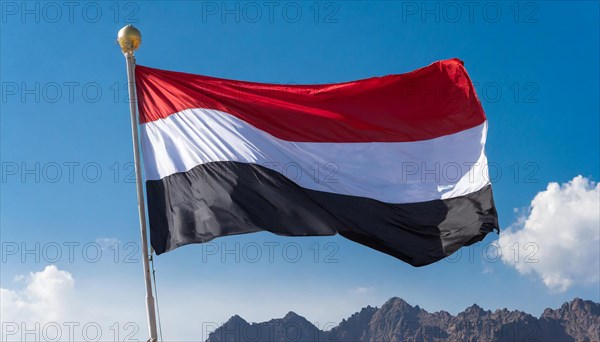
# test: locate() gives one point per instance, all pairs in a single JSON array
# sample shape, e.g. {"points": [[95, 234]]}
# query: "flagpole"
{"points": [[130, 38]]}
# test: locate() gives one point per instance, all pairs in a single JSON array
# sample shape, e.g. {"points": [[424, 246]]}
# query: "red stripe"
{"points": [[426, 103]]}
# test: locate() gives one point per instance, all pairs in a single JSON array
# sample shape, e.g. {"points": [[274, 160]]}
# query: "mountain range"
{"points": [[396, 320]]}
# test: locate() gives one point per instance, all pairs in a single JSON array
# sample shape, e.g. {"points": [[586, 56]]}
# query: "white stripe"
{"points": [[393, 172]]}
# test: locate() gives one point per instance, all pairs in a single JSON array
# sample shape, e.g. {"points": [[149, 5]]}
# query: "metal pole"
{"points": [[129, 39]]}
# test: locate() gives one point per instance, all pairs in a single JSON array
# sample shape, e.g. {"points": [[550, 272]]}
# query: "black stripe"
{"points": [[226, 198]]}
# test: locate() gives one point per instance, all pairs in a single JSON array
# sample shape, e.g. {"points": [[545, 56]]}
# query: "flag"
{"points": [[396, 163]]}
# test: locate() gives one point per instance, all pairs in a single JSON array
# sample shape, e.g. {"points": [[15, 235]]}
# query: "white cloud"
{"points": [[42, 299], [49, 307], [106, 243], [361, 290], [558, 239], [487, 269]]}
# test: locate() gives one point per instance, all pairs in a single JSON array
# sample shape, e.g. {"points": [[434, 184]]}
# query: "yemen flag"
{"points": [[395, 163]]}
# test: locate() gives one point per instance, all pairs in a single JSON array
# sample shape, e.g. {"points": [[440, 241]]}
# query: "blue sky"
{"points": [[64, 117]]}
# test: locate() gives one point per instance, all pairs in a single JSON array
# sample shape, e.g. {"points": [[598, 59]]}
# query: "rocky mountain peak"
{"points": [[396, 320]]}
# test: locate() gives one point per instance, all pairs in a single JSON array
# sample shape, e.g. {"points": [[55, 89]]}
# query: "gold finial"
{"points": [[129, 38]]}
